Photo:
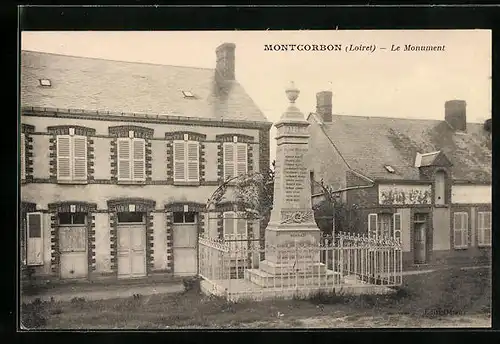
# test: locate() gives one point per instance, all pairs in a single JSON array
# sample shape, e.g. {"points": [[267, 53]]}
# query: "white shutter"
{"points": [[465, 229], [179, 161], [23, 156], [241, 158], [460, 230], [124, 159], [34, 239], [139, 159], [372, 225], [229, 163], [63, 157], [193, 161], [79, 159], [484, 228], [397, 226]]}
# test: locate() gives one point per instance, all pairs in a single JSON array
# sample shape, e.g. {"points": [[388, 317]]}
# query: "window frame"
{"points": [[143, 218], [72, 141], [184, 222], [393, 218], [234, 162], [480, 229], [72, 224], [186, 146], [465, 222], [131, 159]]}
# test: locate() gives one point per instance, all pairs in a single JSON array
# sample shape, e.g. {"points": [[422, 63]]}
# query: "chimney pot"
{"points": [[225, 61], [324, 105], [455, 114]]}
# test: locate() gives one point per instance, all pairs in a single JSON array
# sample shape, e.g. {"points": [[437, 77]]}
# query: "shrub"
{"points": [[33, 314]]}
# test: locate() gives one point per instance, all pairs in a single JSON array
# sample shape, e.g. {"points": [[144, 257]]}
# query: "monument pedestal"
{"points": [[292, 238]]}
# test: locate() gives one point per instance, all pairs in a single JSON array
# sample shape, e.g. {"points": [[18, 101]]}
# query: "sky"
{"points": [[382, 83]]}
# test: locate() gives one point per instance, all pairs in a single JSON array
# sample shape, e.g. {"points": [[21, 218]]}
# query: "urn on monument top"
{"points": [[292, 92]]}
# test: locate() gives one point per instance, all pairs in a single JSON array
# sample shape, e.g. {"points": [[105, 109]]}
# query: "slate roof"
{"points": [[369, 143], [93, 84]]}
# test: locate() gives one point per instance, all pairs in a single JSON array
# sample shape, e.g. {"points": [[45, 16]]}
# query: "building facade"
{"points": [[426, 183], [118, 160]]}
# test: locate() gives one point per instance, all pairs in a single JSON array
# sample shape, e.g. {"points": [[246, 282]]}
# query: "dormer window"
{"points": [[390, 169], [45, 82], [187, 94]]}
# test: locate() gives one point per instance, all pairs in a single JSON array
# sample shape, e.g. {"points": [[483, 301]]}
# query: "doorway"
{"points": [[73, 245], [185, 240], [131, 231], [420, 227]]}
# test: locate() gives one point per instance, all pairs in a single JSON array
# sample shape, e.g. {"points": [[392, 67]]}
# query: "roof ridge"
{"points": [[395, 118], [112, 60]]}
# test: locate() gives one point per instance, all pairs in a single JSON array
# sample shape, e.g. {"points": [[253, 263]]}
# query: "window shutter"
{"points": [[457, 233], [465, 229], [64, 157], [34, 239], [487, 228], [228, 224], [23, 156], [397, 226], [124, 161], [179, 161], [480, 228], [229, 163], [193, 161], [139, 168], [241, 158], [372, 225], [79, 157], [242, 225]]}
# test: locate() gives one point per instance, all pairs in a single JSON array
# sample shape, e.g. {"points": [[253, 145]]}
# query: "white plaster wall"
{"points": [[211, 163], [468, 194], [102, 158], [102, 243], [407, 191], [159, 156], [160, 241], [41, 158]]}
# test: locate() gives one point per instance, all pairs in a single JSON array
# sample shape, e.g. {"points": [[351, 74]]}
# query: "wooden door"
{"points": [[420, 243], [185, 249], [131, 251], [73, 252]]}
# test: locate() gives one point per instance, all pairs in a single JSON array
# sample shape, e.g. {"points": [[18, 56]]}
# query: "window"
{"points": [[184, 217], [72, 218], [186, 161], [187, 94], [440, 188], [484, 228], [235, 159], [23, 156], [460, 230], [34, 229], [71, 158], [131, 159], [235, 228], [130, 217], [384, 226], [45, 82]]}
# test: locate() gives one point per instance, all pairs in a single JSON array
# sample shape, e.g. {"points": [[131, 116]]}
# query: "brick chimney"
{"points": [[455, 114], [324, 105], [225, 61]]}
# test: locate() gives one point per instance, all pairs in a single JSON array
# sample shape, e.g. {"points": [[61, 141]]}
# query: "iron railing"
{"points": [[248, 266]]}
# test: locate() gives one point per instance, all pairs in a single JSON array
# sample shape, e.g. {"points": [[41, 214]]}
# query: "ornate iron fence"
{"points": [[243, 266]]}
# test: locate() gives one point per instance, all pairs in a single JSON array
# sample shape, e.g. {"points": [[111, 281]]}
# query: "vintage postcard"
{"points": [[255, 179]]}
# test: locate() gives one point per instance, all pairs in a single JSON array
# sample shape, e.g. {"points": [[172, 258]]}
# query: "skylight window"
{"points": [[389, 169], [45, 82], [188, 94]]}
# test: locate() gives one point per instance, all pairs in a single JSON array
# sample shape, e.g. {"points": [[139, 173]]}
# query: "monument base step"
{"points": [[276, 269], [267, 280]]}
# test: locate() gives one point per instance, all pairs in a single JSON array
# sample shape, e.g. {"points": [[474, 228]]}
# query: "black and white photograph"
{"points": [[255, 179]]}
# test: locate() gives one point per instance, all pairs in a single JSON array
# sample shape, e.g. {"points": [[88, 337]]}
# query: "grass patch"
{"points": [[430, 295]]}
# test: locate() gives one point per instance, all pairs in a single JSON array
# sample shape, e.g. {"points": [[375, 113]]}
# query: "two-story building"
{"points": [[425, 182], [118, 160]]}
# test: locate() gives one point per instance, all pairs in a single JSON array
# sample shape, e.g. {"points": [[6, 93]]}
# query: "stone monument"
{"points": [[292, 221]]}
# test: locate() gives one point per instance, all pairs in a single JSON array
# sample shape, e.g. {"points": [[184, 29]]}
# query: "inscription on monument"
{"points": [[294, 173]]}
